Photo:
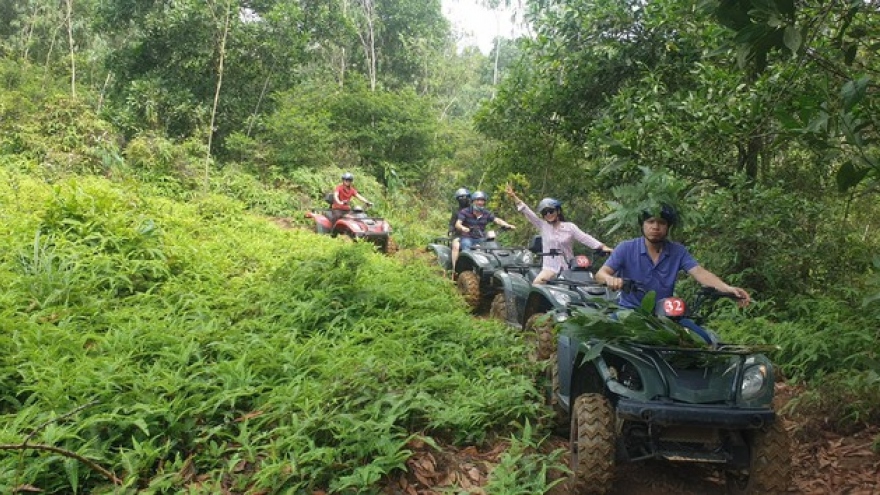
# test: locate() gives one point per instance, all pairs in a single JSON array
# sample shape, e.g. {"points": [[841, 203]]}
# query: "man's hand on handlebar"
{"points": [[614, 283], [743, 297]]}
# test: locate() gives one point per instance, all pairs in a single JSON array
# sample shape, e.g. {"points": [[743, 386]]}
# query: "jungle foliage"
{"points": [[195, 346], [156, 323]]}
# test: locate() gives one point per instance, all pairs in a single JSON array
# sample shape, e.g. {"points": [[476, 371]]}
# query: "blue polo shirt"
{"points": [[631, 260]]}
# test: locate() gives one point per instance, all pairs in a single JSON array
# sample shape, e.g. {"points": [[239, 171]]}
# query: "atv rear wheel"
{"points": [[769, 469], [469, 287], [592, 444], [499, 307], [390, 246], [539, 334]]}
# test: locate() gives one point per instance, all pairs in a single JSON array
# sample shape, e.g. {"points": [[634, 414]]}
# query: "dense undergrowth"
{"points": [[156, 323], [192, 346]]}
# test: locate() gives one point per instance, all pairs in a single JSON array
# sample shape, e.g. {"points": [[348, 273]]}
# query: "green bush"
{"points": [[245, 356], [778, 244], [848, 401]]}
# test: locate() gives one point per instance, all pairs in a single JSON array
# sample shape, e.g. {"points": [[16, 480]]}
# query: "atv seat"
{"points": [[578, 271], [536, 244]]}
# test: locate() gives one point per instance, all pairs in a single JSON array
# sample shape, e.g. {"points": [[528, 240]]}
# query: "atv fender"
{"points": [[475, 260], [577, 377], [322, 223], [443, 253], [468, 261], [515, 289], [542, 299]]}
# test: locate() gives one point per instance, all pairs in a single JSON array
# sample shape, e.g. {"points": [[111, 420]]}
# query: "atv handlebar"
{"points": [[705, 292], [556, 252]]}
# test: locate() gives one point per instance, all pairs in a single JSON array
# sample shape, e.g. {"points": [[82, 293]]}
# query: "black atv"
{"points": [[640, 386], [475, 268], [536, 309]]}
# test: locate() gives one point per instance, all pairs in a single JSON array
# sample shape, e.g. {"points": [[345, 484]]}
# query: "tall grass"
{"points": [[192, 347]]}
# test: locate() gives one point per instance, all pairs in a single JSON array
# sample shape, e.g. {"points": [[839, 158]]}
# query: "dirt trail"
{"points": [[823, 463]]}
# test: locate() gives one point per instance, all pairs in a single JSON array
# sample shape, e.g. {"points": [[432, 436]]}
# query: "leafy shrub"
{"points": [[174, 168], [41, 122], [524, 469], [260, 359], [778, 244], [846, 401], [810, 347]]}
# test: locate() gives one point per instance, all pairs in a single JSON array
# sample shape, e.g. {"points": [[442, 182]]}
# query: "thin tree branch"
{"points": [[66, 453], [59, 418]]}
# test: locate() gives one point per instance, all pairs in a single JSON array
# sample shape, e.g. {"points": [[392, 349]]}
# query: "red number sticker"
{"points": [[673, 306], [582, 261]]}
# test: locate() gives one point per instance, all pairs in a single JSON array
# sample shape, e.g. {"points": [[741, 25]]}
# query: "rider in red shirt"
{"points": [[342, 197]]}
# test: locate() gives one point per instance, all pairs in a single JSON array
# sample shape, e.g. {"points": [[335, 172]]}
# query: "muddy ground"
{"points": [[823, 463]]}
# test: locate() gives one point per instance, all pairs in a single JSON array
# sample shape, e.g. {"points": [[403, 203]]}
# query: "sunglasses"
{"points": [[547, 211]]}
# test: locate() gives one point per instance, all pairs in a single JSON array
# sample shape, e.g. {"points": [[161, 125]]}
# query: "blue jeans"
{"points": [[468, 242], [707, 335]]}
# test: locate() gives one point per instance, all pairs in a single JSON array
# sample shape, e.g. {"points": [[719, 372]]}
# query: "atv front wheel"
{"points": [[769, 469], [499, 307], [390, 246], [539, 334], [592, 444], [469, 287]]}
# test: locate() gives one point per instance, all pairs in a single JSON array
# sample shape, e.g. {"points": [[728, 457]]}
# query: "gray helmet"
{"points": [[461, 192], [479, 195], [347, 176], [549, 203]]}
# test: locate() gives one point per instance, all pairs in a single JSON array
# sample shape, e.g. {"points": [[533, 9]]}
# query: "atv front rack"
{"points": [[681, 361]]}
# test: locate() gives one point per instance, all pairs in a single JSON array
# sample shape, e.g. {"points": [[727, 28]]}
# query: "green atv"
{"points": [[638, 386], [473, 273]]}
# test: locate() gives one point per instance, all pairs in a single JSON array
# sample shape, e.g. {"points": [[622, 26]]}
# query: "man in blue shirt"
{"points": [[472, 222], [653, 262]]}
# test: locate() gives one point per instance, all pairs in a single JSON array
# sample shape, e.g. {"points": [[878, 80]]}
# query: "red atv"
{"points": [[356, 225]]}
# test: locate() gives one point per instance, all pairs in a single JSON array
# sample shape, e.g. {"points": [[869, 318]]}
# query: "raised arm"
{"points": [[523, 208]]}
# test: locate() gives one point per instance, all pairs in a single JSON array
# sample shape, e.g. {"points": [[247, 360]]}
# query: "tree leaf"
{"points": [[853, 92], [849, 176], [792, 38]]}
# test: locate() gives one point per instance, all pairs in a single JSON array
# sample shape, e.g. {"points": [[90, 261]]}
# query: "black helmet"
{"points": [[549, 203], [478, 195], [666, 212], [347, 176], [461, 192]]}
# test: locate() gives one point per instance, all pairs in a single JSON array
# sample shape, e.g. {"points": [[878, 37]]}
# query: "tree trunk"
{"points": [[367, 36], [217, 91], [72, 48]]}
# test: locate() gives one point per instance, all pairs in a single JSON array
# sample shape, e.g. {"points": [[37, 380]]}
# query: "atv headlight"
{"points": [[527, 258], [753, 381], [562, 298]]}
